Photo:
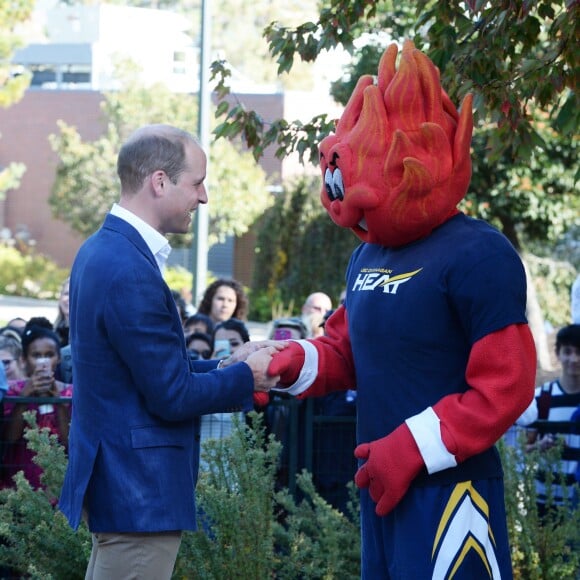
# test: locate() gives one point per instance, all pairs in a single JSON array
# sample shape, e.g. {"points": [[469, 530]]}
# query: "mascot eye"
{"points": [[338, 184], [329, 183]]}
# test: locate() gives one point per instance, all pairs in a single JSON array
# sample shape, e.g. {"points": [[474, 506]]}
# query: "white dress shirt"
{"points": [[155, 241]]}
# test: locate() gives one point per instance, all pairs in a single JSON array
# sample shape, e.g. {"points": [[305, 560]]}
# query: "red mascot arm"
{"points": [[316, 367], [501, 373]]}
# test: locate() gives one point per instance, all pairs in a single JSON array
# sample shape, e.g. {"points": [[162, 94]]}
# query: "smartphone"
{"points": [[222, 348], [43, 364], [282, 334]]}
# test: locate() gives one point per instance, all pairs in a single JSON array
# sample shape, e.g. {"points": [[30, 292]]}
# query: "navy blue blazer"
{"points": [[134, 437]]}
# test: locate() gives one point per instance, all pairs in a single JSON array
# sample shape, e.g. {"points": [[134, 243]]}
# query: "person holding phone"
{"points": [[41, 355], [228, 336]]}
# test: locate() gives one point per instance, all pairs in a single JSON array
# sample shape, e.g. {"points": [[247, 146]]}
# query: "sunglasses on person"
{"points": [[205, 354]]}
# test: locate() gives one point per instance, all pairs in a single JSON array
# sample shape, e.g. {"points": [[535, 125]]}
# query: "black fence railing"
{"points": [[318, 435], [319, 438], [322, 444]]}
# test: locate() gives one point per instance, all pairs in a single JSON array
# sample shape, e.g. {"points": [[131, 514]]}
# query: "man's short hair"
{"points": [[568, 336], [149, 149]]}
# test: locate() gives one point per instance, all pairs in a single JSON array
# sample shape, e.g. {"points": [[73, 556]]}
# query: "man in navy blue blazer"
{"points": [[134, 437]]}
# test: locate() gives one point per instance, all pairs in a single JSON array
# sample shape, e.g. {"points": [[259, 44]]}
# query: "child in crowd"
{"points": [[228, 336], [40, 355]]}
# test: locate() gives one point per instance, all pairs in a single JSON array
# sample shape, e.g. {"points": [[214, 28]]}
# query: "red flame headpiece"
{"points": [[399, 161]]}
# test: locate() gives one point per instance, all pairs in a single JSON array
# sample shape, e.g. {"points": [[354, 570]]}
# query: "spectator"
{"points": [[557, 400], [198, 323], [223, 299], [64, 369], [181, 305], [41, 354], [313, 311], [288, 328], [12, 332], [228, 337], [18, 323], [61, 324], [200, 345], [11, 355]]}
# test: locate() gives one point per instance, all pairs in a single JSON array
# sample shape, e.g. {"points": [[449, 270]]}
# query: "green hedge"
{"points": [[257, 532]]}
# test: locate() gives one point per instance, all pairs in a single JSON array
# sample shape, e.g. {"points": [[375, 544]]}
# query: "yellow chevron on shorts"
{"points": [[464, 527]]}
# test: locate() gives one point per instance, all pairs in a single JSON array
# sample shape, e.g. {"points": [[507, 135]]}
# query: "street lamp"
{"points": [[199, 245]]}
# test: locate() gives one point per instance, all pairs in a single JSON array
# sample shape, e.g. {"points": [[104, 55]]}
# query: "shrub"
{"points": [[29, 274], [546, 547], [251, 531], [35, 538]]}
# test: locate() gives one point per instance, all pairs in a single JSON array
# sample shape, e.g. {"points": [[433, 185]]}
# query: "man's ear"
{"points": [[159, 181]]}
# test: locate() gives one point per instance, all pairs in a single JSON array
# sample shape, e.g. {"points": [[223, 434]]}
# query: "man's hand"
{"points": [[259, 362], [244, 351], [392, 463]]}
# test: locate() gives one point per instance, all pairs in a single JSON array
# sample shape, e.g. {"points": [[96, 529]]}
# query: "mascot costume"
{"points": [[433, 331]]}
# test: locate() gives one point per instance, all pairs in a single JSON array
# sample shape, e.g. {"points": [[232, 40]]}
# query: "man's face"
{"points": [[569, 357], [317, 304], [182, 198]]}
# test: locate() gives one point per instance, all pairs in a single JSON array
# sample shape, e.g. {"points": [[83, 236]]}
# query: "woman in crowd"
{"points": [[224, 299], [228, 336], [10, 354], [41, 355], [61, 324]]}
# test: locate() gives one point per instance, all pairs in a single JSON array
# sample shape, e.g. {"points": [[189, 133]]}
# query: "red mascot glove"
{"points": [[287, 363], [261, 398], [392, 464]]}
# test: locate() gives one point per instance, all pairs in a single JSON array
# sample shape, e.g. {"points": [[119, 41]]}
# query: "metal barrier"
{"points": [[320, 443]]}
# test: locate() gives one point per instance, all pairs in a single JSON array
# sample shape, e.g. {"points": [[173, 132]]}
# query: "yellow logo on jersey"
{"points": [[370, 279]]}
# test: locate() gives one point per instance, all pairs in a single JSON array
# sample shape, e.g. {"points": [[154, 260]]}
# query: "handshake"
{"points": [[258, 356]]}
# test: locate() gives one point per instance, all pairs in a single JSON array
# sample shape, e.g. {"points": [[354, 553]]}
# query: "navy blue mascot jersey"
{"points": [[414, 313]]}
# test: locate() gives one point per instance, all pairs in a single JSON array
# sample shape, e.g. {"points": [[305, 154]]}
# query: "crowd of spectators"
{"points": [[37, 364]]}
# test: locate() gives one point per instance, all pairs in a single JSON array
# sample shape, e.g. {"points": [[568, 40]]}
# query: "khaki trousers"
{"points": [[142, 556]]}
